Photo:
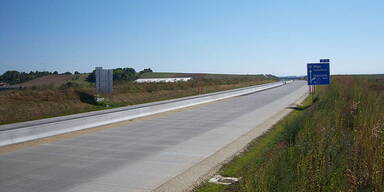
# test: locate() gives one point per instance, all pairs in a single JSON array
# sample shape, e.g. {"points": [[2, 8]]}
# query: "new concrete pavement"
{"points": [[143, 154], [32, 130]]}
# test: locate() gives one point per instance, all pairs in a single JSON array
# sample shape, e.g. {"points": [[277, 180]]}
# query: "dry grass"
{"points": [[52, 80]]}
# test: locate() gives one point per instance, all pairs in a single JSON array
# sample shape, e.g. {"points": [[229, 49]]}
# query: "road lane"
{"points": [[143, 154], [32, 130]]}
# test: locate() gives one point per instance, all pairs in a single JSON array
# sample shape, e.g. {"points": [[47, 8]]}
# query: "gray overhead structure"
{"points": [[104, 80]]}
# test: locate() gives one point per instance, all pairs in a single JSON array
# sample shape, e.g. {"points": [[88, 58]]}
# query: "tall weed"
{"points": [[336, 145]]}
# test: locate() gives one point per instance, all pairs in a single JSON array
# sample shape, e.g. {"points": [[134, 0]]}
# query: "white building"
{"points": [[163, 80]]}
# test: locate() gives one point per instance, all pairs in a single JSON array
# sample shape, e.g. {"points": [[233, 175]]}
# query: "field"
{"points": [[59, 80], [76, 96], [53, 80], [333, 144], [196, 75]]}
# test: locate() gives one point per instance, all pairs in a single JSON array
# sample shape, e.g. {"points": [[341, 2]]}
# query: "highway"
{"points": [[143, 154]]}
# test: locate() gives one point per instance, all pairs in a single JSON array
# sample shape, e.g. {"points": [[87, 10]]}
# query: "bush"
{"points": [[149, 70], [69, 85]]}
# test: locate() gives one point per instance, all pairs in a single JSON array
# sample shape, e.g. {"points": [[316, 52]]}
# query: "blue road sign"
{"points": [[318, 73]]}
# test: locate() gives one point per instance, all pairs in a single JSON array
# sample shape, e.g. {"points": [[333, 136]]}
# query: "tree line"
{"points": [[128, 74], [16, 77]]}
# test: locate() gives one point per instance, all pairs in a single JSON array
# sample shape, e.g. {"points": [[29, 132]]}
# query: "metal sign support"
{"points": [[104, 84]]}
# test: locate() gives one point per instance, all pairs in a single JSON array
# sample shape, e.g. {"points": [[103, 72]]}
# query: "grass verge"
{"points": [[337, 144]]}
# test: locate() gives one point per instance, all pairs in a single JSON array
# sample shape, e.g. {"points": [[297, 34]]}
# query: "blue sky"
{"points": [[214, 36]]}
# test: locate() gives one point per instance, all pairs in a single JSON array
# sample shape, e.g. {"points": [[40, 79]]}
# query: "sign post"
{"points": [[318, 74]]}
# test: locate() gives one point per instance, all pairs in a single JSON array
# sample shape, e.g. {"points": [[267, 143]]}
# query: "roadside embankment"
{"points": [[336, 144], [73, 97]]}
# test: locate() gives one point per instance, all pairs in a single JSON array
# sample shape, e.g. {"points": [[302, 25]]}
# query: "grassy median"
{"points": [[336, 144]]}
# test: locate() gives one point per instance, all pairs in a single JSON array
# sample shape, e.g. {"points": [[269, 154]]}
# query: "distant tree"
{"points": [[55, 72], [124, 74], [67, 73], [15, 77], [149, 70], [91, 77], [11, 77], [118, 74], [76, 73]]}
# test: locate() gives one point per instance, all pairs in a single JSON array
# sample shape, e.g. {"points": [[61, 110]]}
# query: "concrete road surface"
{"points": [[143, 154]]}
